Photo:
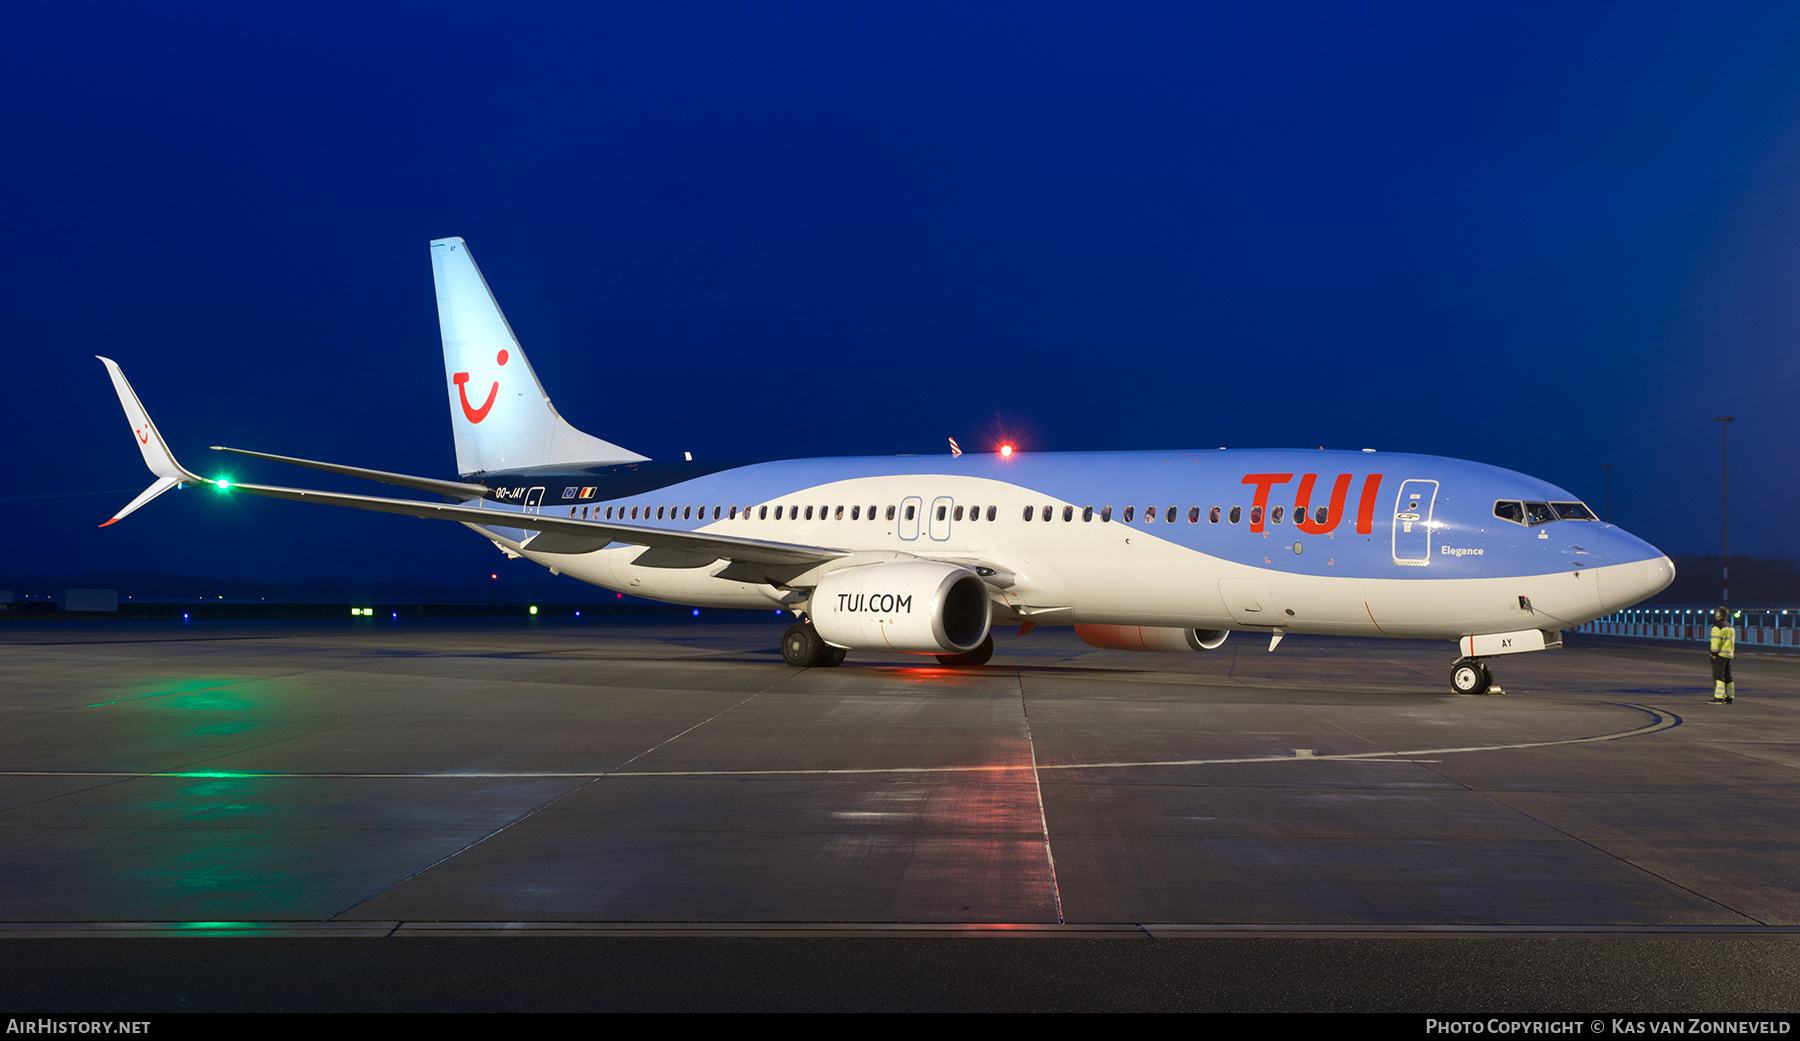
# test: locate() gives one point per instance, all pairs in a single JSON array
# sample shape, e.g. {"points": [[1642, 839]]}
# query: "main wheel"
{"points": [[970, 659], [800, 646], [1469, 677], [829, 657]]}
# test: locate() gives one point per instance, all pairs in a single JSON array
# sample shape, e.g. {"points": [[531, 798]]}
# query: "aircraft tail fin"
{"points": [[169, 473], [499, 412]]}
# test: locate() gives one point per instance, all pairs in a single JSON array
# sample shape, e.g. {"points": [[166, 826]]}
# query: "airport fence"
{"points": [[1756, 627]]}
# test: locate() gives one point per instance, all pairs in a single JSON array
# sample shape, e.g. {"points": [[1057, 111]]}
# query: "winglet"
{"points": [[157, 456]]}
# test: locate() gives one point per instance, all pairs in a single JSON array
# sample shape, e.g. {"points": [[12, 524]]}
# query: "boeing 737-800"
{"points": [[1157, 551]]}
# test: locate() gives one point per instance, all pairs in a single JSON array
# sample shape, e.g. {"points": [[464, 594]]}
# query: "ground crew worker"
{"points": [[1724, 646]]}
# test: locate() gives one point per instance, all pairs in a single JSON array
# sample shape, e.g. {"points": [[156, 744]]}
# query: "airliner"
{"points": [[1166, 551]]}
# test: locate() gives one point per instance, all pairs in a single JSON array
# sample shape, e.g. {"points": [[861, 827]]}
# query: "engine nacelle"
{"points": [[1150, 638], [909, 605]]}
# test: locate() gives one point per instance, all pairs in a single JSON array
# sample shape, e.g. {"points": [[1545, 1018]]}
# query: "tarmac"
{"points": [[451, 813]]}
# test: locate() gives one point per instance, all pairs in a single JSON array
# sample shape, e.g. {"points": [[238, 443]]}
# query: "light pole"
{"points": [[1607, 516], [1725, 508]]}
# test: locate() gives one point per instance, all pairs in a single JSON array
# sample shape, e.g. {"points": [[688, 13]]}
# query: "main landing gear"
{"points": [[1470, 676], [802, 648]]}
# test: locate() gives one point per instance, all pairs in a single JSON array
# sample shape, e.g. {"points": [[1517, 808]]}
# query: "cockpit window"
{"points": [[1510, 511], [1538, 513], [1573, 511]]}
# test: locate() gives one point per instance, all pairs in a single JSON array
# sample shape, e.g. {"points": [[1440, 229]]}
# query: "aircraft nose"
{"points": [[1641, 571]]}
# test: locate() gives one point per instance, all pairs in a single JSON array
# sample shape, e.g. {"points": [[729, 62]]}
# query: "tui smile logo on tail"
{"points": [[461, 379]]}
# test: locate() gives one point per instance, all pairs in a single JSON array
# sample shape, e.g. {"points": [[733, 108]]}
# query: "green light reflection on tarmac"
{"points": [[214, 926], [193, 686]]}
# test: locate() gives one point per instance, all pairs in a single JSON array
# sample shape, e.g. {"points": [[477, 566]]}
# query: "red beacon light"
{"points": [[1006, 451]]}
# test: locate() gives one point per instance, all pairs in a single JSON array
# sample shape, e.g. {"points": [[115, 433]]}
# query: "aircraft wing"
{"points": [[586, 534], [566, 534], [457, 489]]}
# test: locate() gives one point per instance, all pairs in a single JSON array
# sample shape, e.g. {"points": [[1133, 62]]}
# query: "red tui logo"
{"points": [[461, 379]]}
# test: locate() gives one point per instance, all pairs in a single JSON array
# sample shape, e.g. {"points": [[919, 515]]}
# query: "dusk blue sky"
{"points": [[1546, 237]]}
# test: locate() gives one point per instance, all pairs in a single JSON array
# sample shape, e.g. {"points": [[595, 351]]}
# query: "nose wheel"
{"points": [[1469, 676]]}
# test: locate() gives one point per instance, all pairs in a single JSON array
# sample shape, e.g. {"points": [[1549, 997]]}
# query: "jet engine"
{"points": [[909, 605], [1150, 638]]}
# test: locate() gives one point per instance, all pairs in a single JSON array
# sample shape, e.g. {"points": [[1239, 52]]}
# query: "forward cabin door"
{"points": [[1412, 522]]}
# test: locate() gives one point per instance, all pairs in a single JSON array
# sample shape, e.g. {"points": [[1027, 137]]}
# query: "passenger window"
{"points": [[731, 514], [856, 513], [959, 513], [1171, 517], [974, 513], [1212, 515], [1087, 514], [1048, 510], [1149, 515], [659, 513], [777, 513], [1276, 516], [1129, 511], [763, 514], [1237, 512], [1255, 515], [1510, 511], [838, 514], [1106, 514], [940, 512], [687, 513], [990, 515], [571, 511], [909, 511], [1028, 512], [871, 513], [1068, 514], [890, 513], [1193, 514], [1320, 515]]}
